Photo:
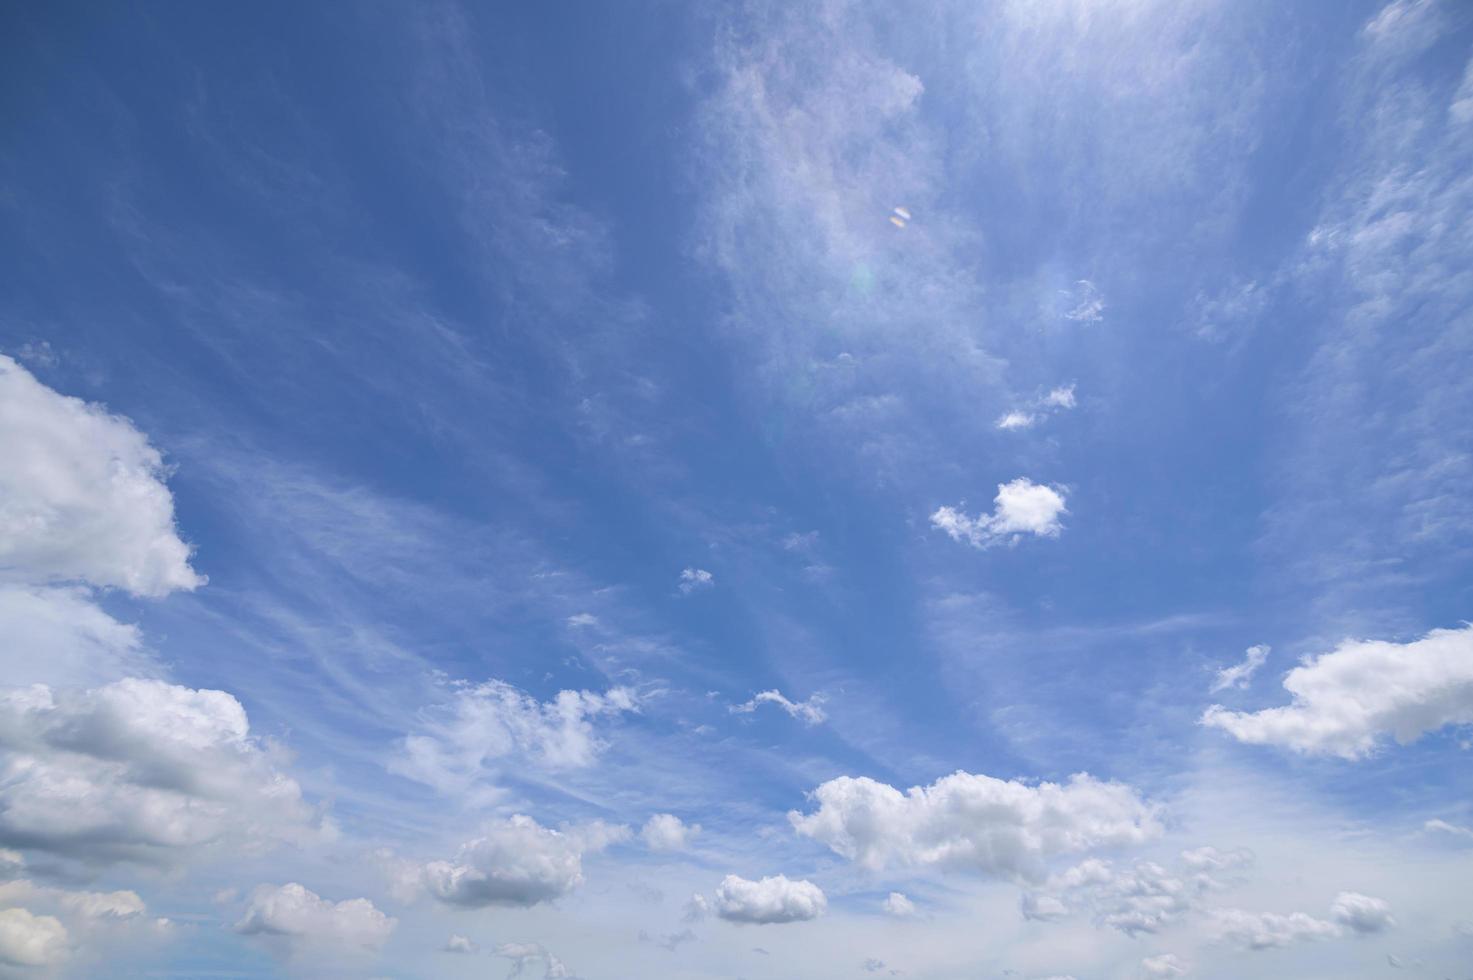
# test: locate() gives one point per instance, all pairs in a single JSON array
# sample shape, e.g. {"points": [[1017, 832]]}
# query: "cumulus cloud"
{"points": [[1165, 965], [31, 940], [1268, 930], [695, 579], [810, 712], [1022, 507], [139, 770], [1348, 701], [899, 906], [974, 822], [667, 832], [1361, 914], [82, 495], [484, 727], [772, 900], [57, 635], [516, 862], [1239, 675], [98, 926], [295, 917], [529, 956], [459, 944]]}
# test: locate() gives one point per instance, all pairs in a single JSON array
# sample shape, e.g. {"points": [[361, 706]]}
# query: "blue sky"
{"points": [[760, 491]]}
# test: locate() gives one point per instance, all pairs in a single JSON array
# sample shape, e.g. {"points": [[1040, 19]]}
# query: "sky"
{"points": [[692, 491]]}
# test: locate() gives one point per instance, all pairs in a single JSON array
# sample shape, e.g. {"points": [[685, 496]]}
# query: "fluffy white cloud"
{"points": [[1267, 930], [300, 916], [667, 832], [57, 635], [1239, 675], [693, 579], [31, 940], [483, 727], [1141, 900], [810, 712], [1361, 913], [526, 956], [517, 862], [1022, 507], [899, 906], [771, 900], [138, 770], [1347, 701], [459, 944], [975, 822], [82, 497], [98, 926], [1165, 965]]}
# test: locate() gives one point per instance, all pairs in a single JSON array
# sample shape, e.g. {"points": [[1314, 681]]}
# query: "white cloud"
{"points": [[899, 906], [667, 832], [516, 862], [57, 635], [90, 919], [1239, 675], [974, 822], [485, 727], [1165, 965], [1144, 899], [301, 917], [1015, 420], [693, 579], [1041, 408], [82, 497], [771, 900], [581, 620], [459, 944], [525, 956], [1085, 302], [1443, 827], [1361, 913], [1347, 701], [139, 770], [1023, 507], [31, 940], [810, 712], [1268, 930]]}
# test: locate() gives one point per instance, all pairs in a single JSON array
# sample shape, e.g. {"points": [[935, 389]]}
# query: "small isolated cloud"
{"points": [[1239, 675], [292, 916], [772, 900], [1348, 701], [531, 956], [694, 580], [1022, 507], [1452, 830], [31, 940], [1361, 914], [899, 906], [1165, 965], [459, 944], [1058, 399], [582, 620], [1085, 303], [516, 862], [974, 822], [83, 495], [809, 712], [667, 832], [873, 965], [482, 728]]}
